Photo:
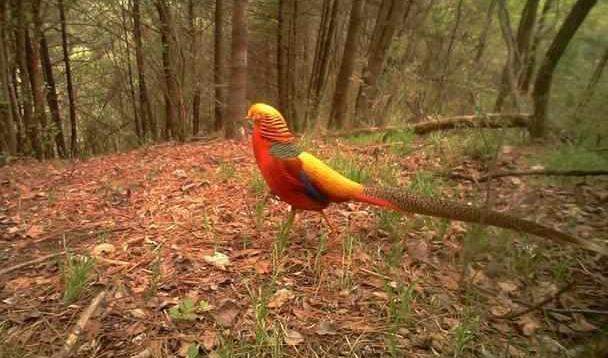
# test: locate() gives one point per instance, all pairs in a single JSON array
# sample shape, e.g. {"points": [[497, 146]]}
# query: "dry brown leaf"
{"points": [[209, 339], [528, 325], [499, 311], [507, 286], [418, 250], [226, 313], [280, 297], [104, 248], [263, 267], [581, 324], [325, 328], [293, 338], [34, 231]]}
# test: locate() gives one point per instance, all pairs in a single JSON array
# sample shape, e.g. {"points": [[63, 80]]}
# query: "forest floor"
{"points": [[190, 261]]}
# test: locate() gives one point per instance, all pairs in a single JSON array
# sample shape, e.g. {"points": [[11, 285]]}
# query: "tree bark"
{"points": [[544, 78], [148, 122], [390, 16], [318, 75], [52, 98], [31, 126], [68, 75], [512, 75], [174, 99], [237, 97], [530, 66], [130, 83], [339, 105], [196, 83], [218, 66], [9, 130], [593, 81]]}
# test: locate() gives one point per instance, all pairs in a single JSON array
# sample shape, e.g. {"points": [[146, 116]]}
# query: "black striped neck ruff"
{"points": [[271, 123]]}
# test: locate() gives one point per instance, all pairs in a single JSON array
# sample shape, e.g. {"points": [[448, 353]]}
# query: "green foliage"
{"points": [[465, 332], [188, 309], [366, 138], [571, 157], [257, 185], [350, 168], [226, 170], [76, 274], [398, 313], [425, 183], [193, 351]]}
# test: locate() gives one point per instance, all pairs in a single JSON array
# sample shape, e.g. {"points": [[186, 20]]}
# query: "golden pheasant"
{"points": [[306, 183]]}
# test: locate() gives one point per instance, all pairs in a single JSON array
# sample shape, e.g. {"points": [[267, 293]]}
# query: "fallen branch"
{"points": [[575, 310], [521, 173], [489, 120], [80, 325], [31, 262]]}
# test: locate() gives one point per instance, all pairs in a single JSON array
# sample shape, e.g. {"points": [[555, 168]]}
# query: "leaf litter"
{"points": [[167, 224]]}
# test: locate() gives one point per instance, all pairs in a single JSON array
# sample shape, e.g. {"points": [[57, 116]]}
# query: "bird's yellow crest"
{"points": [[260, 111]]}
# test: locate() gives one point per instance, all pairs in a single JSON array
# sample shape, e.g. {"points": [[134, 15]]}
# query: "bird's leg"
{"points": [[331, 226]]}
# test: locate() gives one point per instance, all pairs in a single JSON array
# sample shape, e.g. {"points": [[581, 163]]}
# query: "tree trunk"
{"points": [[530, 66], [593, 81], [174, 99], [9, 131], [237, 97], [483, 37], [218, 66], [196, 82], [68, 75], [339, 105], [390, 16], [512, 77], [542, 85], [52, 98], [318, 75], [31, 126], [130, 83], [148, 123]]}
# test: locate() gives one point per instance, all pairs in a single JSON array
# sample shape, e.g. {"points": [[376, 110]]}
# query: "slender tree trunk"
{"points": [[237, 98], [282, 71], [131, 84], [512, 78], [9, 131], [175, 103], [390, 16], [218, 66], [530, 66], [52, 98], [31, 126], [196, 83], [318, 75], [339, 105], [68, 75], [544, 78], [593, 81], [148, 123], [483, 37]]}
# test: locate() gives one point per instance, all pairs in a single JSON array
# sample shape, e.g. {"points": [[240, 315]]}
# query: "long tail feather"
{"points": [[401, 200]]}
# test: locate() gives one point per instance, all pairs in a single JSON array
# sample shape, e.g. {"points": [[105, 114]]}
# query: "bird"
{"points": [[305, 182]]}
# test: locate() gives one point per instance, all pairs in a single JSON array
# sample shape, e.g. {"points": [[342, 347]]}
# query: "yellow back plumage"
{"points": [[330, 181]]}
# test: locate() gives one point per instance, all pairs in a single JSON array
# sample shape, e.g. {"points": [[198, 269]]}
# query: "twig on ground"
{"points": [[539, 304], [575, 310], [80, 325], [31, 262], [521, 173]]}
